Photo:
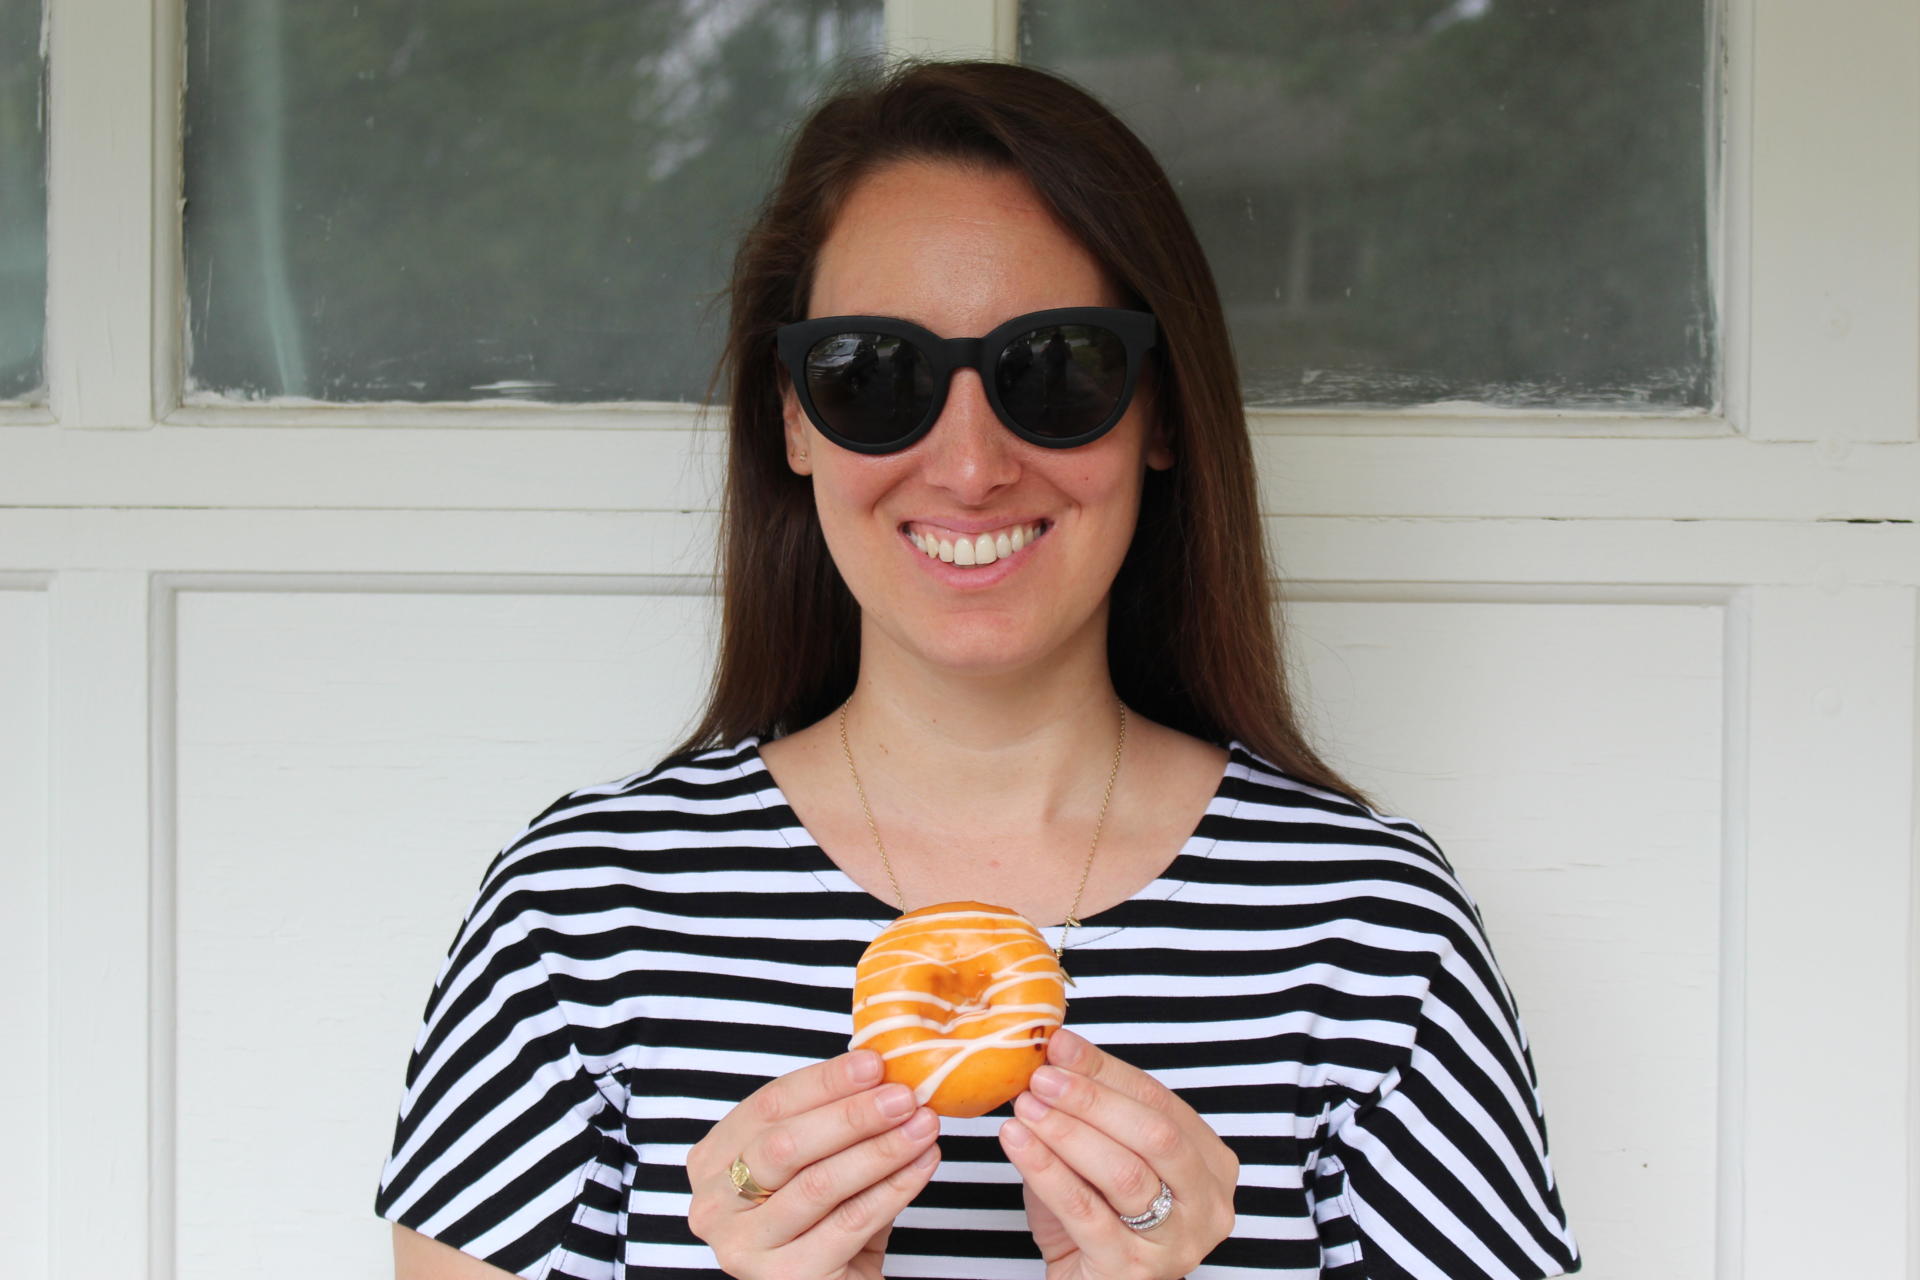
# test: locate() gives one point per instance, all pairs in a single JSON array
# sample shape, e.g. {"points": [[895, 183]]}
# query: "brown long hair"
{"points": [[1193, 638]]}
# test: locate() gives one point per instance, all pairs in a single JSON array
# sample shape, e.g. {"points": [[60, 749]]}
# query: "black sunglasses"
{"points": [[1058, 378]]}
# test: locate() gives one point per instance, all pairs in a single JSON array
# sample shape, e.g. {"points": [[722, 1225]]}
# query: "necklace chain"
{"points": [[1073, 912]]}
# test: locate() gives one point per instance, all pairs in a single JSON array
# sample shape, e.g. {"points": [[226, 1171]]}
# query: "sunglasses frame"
{"points": [[1137, 330]]}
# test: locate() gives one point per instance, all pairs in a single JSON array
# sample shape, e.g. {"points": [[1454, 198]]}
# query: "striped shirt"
{"points": [[1309, 975]]}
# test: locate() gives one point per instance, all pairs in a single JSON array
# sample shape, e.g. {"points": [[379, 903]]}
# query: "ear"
{"points": [[1159, 446], [1159, 439], [796, 429]]}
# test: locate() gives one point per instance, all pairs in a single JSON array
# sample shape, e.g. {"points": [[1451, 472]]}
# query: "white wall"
{"points": [[275, 684]]}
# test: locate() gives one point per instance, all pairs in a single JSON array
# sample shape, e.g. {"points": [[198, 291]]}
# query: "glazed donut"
{"points": [[959, 1000]]}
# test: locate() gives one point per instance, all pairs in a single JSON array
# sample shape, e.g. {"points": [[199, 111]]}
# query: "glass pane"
{"points": [[483, 200], [1421, 200], [23, 203]]}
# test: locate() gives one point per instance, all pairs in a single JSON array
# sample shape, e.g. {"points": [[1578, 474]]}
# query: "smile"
{"points": [[975, 549]]}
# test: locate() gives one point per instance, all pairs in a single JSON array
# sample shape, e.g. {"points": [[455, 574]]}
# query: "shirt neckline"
{"points": [[1099, 924]]}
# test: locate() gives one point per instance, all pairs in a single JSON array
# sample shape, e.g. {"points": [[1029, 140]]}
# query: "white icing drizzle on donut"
{"points": [[965, 1049], [894, 1023], [1017, 1035]]}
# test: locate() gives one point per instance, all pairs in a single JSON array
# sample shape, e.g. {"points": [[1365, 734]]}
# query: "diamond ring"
{"points": [[1156, 1213]]}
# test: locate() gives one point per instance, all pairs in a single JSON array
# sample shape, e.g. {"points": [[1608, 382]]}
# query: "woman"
{"points": [[997, 627]]}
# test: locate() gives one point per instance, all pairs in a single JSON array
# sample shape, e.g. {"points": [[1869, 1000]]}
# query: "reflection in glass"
{"points": [[1063, 379], [489, 200], [23, 204], [1422, 200], [870, 386]]}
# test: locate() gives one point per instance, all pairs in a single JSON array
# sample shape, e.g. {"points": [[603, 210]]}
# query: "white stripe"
{"points": [[549, 1076], [1424, 1203], [632, 868]]}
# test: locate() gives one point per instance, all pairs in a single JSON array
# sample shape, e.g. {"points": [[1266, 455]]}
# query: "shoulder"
{"points": [[1379, 868], [648, 821]]}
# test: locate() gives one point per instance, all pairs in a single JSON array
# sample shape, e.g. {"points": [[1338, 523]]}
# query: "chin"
{"points": [[979, 650]]}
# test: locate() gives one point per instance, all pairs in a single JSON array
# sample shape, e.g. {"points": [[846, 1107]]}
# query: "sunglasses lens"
{"points": [[1062, 380], [873, 388]]}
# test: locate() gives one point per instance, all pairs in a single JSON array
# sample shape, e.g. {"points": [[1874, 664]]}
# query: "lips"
{"points": [[968, 548], [952, 572]]}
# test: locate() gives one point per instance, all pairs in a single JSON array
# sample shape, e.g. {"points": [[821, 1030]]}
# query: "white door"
{"points": [[276, 681]]}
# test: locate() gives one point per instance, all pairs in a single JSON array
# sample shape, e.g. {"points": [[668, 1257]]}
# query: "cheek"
{"points": [[846, 494]]}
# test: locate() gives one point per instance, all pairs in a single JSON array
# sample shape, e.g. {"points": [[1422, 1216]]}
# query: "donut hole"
{"points": [[964, 989], [959, 999]]}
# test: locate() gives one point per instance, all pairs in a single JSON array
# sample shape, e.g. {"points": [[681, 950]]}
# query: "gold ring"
{"points": [[743, 1181]]}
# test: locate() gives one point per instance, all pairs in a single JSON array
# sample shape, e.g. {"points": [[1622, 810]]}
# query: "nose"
{"points": [[969, 452]]}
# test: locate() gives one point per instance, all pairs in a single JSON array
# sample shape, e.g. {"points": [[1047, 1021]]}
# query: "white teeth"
{"points": [[980, 549]]}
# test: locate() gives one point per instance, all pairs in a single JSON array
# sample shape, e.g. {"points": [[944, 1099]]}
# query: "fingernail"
{"points": [[1015, 1133], [1030, 1106], [1049, 1082], [923, 1125], [864, 1066], [896, 1100], [1066, 1047], [926, 1158]]}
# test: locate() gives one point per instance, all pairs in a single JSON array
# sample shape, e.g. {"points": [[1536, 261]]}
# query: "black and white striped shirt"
{"points": [[1309, 975]]}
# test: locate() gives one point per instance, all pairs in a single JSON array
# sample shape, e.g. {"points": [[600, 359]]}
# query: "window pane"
{"points": [[1421, 200], [483, 200], [23, 204]]}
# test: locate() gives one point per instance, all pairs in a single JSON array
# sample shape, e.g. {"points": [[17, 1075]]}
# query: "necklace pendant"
{"points": [[1057, 953]]}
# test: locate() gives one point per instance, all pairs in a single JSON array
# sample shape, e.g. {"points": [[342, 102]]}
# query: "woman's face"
{"points": [[959, 250]]}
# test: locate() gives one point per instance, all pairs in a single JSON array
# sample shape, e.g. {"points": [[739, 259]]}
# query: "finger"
{"points": [[844, 1229], [1123, 1177], [792, 1094], [1076, 1053], [780, 1152], [820, 1189], [1159, 1140], [1081, 1057], [1084, 1213]]}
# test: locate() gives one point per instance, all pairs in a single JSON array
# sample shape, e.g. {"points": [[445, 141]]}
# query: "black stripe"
{"points": [[1353, 1021]]}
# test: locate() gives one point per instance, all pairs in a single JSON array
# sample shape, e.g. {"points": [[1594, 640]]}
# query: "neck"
{"points": [[1008, 751]]}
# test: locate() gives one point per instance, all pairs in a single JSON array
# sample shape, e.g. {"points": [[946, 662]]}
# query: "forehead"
{"points": [[956, 248]]}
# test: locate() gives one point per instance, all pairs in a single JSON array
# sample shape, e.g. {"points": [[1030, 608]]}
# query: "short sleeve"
{"points": [[507, 1147], [1442, 1172]]}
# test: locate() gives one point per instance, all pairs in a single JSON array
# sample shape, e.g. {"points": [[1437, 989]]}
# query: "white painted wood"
{"points": [[1567, 759], [952, 28], [199, 408], [555, 546], [1836, 198], [23, 928], [98, 1044], [100, 178], [167, 370], [1736, 794], [1529, 630], [348, 764], [678, 467], [1730, 261], [1829, 884]]}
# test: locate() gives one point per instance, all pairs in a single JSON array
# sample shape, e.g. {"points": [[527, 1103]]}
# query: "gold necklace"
{"points": [[1074, 912]]}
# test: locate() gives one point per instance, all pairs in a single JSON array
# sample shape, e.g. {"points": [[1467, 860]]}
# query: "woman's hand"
{"points": [[1094, 1139], [841, 1157]]}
